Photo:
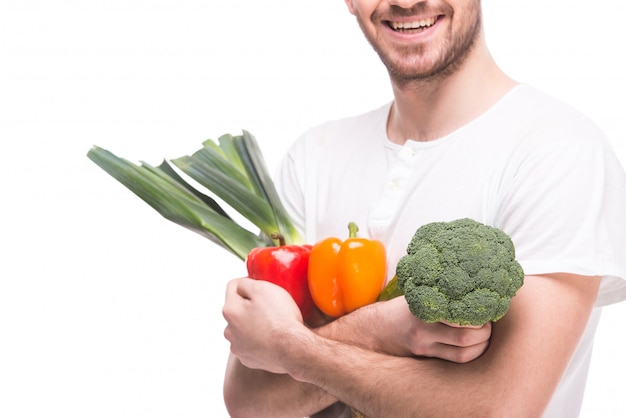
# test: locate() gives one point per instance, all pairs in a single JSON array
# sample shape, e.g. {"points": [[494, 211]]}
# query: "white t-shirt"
{"points": [[531, 166]]}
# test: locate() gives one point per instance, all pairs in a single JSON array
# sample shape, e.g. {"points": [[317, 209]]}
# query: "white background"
{"points": [[108, 310]]}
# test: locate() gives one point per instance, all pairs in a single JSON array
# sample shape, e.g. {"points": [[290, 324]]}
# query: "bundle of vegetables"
{"points": [[462, 272]]}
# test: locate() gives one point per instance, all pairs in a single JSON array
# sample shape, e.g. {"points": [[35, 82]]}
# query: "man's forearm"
{"points": [[381, 385], [257, 393], [522, 376]]}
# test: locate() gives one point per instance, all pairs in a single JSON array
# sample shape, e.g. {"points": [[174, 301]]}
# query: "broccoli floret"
{"points": [[462, 271]]}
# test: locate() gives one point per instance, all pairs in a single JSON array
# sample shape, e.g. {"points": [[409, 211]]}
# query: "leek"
{"points": [[233, 169]]}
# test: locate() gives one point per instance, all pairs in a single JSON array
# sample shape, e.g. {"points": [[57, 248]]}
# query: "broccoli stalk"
{"points": [[462, 272]]}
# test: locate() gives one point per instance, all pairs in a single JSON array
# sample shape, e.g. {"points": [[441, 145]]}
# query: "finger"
{"points": [[232, 303], [248, 288], [467, 337], [240, 288], [460, 354], [232, 284], [460, 336], [244, 288]]}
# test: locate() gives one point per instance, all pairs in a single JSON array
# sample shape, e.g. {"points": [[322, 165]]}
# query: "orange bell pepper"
{"points": [[344, 276]]}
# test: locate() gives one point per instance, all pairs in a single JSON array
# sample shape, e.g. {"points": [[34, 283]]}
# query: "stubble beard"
{"points": [[412, 65]]}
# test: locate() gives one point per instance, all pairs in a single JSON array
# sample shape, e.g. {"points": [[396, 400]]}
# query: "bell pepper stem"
{"points": [[280, 238], [353, 229]]}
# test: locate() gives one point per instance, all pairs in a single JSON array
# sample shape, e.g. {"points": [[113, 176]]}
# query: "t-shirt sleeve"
{"points": [[564, 208]]}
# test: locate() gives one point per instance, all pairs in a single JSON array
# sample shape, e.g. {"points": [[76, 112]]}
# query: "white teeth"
{"points": [[423, 23]]}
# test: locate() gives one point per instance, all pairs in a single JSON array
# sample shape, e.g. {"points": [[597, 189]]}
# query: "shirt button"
{"points": [[394, 185], [408, 152]]}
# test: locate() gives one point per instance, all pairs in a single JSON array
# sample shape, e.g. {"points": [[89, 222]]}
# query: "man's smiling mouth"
{"points": [[414, 26]]}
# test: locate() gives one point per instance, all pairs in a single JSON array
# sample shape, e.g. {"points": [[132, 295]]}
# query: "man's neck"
{"points": [[428, 110]]}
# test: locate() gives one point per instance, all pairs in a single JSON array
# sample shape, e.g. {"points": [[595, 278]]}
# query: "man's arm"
{"points": [[258, 393], [513, 378], [383, 327]]}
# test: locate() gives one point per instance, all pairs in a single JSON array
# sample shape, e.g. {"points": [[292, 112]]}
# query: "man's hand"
{"points": [[258, 313], [391, 328], [408, 335]]}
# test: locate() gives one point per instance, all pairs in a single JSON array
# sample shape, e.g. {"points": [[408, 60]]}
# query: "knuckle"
{"points": [[464, 338], [227, 334], [226, 313], [465, 355]]}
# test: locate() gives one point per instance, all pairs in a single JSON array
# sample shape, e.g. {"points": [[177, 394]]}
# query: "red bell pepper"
{"points": [[286, 266]]}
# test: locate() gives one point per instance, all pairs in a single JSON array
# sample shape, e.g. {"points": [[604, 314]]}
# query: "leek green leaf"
{"points": [[176, 202], [233, 170]]}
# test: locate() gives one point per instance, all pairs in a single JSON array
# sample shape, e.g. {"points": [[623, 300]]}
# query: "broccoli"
{"points": [[462, 272]]}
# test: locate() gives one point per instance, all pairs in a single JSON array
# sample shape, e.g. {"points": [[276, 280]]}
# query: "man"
{"points": [[461, 139]]}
